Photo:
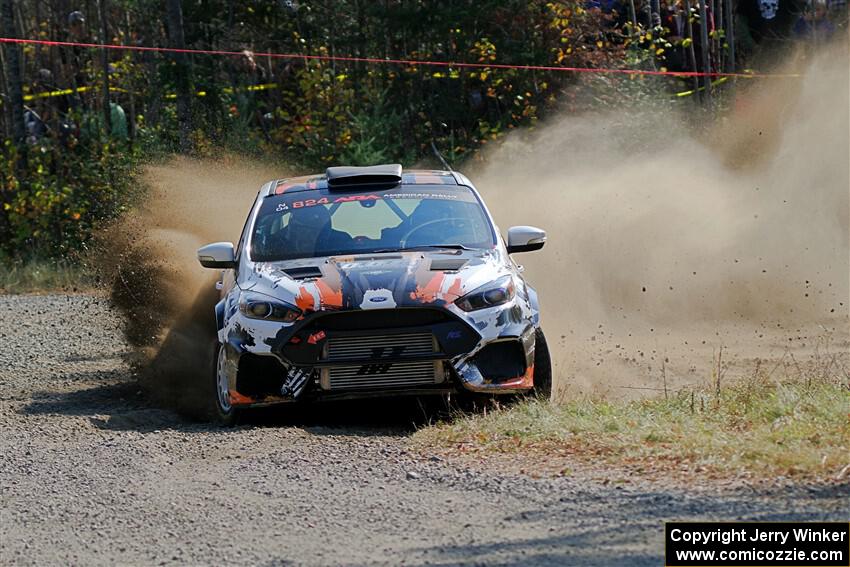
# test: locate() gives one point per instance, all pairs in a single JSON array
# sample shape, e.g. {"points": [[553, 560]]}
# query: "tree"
{"points": [[104, 60], [177, 40], [14, 71]]}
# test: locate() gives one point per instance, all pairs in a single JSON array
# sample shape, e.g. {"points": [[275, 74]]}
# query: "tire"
{"points": [[221, 410], [542, 389]]}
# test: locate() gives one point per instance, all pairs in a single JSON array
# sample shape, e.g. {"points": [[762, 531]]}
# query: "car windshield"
{"points": [[306, 224]]}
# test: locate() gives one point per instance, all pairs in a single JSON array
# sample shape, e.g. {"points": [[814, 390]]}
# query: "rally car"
{"points": [[373, 281]]}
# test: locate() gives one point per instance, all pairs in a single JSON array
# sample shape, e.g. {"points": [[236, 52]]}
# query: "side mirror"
{"points": [[217, 255], [525, 239]]}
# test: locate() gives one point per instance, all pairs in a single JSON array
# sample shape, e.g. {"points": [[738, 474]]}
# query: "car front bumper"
{"points": [[368, 353]]}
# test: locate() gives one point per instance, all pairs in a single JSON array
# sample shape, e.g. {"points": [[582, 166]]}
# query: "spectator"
{"points": [[76, 59], [35, 126], [118, 118], [45, 103], [815, 24], [769, 21], [250, 105]]}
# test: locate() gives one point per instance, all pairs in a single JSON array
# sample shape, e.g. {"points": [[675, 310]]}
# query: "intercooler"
{"points": [[371, 366]]}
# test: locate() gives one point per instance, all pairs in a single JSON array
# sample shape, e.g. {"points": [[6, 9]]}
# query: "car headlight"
{"points": [[258, 306], [489, 295]]}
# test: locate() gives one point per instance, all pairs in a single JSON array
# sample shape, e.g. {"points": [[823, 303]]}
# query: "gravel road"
{"points": [[91, 473]]}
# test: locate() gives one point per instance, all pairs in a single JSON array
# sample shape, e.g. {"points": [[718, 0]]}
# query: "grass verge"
{"points": [[39, 276], [755, 428]]}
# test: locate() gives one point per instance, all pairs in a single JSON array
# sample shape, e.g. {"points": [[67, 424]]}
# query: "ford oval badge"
{"points": [[377, 299]]}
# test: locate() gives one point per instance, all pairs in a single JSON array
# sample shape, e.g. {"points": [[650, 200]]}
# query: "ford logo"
{"points": [[377, 299]]}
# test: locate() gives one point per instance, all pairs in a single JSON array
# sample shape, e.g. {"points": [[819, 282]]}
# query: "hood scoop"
{"points": [[303, 272], [447, 264]]}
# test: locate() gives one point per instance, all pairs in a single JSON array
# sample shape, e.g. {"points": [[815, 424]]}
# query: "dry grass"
{"points": [[758, 427], [43, 276]]}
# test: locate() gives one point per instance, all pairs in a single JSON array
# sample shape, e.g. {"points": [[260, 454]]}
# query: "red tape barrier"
{"points": [[407, 62]]}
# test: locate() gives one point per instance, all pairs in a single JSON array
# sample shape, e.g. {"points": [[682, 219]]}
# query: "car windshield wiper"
{"points": [[421, 247], [429, 246]]}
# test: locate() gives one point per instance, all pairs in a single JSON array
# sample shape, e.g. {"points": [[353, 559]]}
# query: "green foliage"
{"points": [[309, 113], [51, 207], [375, 129]]}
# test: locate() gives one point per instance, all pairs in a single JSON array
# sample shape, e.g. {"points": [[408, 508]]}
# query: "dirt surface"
{"points": [[92, 473]]}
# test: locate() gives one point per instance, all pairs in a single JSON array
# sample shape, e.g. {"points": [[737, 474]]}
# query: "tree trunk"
{"points": [[720, 25], [131, 123], [16, 114], [184, 94], [14, 72], [706, 64], [104, 61], [4, 87], [713, 40], [730, 35], [692, 56]]}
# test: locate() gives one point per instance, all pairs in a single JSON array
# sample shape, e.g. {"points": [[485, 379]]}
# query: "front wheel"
{"points": [[542, 388], [221, 408]]}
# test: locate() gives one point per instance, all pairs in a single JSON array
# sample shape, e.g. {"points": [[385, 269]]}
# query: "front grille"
{"points": [[377, 375], [378, 319], [378, 347], [374, 369]]}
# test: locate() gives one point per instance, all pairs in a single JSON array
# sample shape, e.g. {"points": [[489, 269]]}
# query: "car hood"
{"points": [[376, 281]]}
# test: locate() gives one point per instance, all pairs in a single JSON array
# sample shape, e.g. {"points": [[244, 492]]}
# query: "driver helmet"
{"points": [[305, 227]]}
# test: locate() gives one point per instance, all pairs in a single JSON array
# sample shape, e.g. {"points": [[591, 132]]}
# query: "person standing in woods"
{"points": [[75, 59], [250, 106], [41, 112], [767, 27]]}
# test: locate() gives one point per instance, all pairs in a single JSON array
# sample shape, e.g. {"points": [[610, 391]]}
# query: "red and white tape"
{"points": [[388, 61]]}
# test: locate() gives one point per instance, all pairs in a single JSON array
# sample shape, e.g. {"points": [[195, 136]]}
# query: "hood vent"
{"points": [[447, 264], [303, 273], [377, 258]]}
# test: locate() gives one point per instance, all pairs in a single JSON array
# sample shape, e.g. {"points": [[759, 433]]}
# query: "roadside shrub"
{"points": [[60, 195]]}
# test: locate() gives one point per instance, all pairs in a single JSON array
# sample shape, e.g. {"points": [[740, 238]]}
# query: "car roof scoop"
{"points": [[345, 177]]}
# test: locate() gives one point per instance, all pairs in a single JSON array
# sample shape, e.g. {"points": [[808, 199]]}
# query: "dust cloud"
{"points": [[164, 296], [669, 243]]}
